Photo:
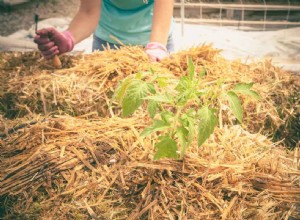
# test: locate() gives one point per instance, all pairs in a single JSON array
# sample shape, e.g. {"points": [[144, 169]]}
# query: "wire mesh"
{"points": [[264, 11]]}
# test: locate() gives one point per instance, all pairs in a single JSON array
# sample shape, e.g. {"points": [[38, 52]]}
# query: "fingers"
{"points": [[46, 46], [52, 32], [156, 55], [156, 51], [46, 32], [38, 39], [44, 42], [153, 58], [48, 54]]}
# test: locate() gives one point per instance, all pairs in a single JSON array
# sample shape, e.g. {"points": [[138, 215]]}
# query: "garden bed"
{"points": [[67, 152]]}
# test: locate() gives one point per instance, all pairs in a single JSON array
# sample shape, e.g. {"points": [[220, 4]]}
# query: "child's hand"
{"points": [[52, 42], [156, 51]]}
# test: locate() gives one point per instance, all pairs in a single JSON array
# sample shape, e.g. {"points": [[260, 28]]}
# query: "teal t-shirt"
{"points": [[130, 21]]}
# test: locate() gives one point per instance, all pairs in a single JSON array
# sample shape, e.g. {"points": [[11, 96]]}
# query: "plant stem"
{"points": [[176, 118]]}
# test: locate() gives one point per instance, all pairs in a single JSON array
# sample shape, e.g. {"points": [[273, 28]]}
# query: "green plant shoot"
{"points": [[182, 110]]}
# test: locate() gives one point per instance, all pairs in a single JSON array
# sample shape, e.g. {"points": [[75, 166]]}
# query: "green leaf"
{"points": [[159, 98], [152, 108], [142, 75], [200, 93], [152, 71], [188, 121], [220, 82], [203, 72], [191, 127], [139, 75], [184, 84], [235, 105], [136, 91], [162, 81], [121, 89], [182, 134], [158, 125], [253, 94], [245, 88], [151, 88], [166, 148], [208, 122], [191, 69], [167, 117]]}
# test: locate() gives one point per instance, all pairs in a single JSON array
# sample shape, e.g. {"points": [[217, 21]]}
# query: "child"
{"points": [[131, 22]]}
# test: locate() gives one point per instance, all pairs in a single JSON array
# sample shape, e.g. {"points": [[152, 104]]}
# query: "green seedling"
{"points": [[182, 109]]}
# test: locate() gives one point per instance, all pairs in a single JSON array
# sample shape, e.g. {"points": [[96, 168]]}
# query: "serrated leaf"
{"points": [[159, 98], [139, 75], [166, 148], [220, 82], [136, 91], [184, 84], [152, 71], [167, 117], [162, 81], [121, 89], [254, 94], [191, 126], [203, 72], [142, 75], [152, 108], [182, 134], [245, 88], [191, 69], [235, 105], [183, 97], [200, 93], [151, 88], [208, 122], [188, 121], [157, 125]]}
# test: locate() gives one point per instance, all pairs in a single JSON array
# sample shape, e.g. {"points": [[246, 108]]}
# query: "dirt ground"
{"points": [[22, 16]]}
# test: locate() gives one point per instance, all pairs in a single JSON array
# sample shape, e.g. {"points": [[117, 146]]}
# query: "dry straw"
{"points": [[30, 85], [69, 168], [92, 164]]}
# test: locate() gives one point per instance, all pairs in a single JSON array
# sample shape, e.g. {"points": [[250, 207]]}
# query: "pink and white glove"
{"points": [[156, 51], [52, 42]]}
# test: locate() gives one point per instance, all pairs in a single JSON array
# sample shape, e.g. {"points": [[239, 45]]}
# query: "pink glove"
{"points": [[52, 42], [156, 51]]}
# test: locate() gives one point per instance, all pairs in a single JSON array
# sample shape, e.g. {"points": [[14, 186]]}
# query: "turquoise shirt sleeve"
{"points": [[130, 21]]}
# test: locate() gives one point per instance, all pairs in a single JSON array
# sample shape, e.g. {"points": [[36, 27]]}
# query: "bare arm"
{"points": [[86, 19], [162, 17]]}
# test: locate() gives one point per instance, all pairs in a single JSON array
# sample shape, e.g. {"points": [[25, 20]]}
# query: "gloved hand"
{"points": [[52, 42], [156, 51]]}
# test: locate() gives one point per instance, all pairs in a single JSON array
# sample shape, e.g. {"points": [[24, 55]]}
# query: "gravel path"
{"points": [[21, 16]]}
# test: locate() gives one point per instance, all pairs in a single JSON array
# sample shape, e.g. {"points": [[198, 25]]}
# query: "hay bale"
{"points": [[73, 157], [66, 167], [86, 84]]}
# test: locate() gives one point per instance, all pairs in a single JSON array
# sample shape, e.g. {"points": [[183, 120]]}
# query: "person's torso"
{"points": [[130, 21], [126, 4]]}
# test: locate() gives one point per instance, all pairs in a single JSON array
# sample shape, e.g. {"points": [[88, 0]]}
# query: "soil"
{"points": [[21, 16]]}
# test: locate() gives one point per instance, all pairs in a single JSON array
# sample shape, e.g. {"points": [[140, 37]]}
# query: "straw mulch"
{"points": [[30, 85], [66, 153], [74, 168]]}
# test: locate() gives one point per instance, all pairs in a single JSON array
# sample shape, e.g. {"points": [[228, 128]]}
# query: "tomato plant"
{"points": [[181, 109]]}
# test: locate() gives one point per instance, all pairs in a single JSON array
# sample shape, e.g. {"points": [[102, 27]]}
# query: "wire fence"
{"points": [[259, 15]]}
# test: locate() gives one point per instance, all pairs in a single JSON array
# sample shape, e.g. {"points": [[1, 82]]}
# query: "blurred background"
{"points": [[243, 29]]}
